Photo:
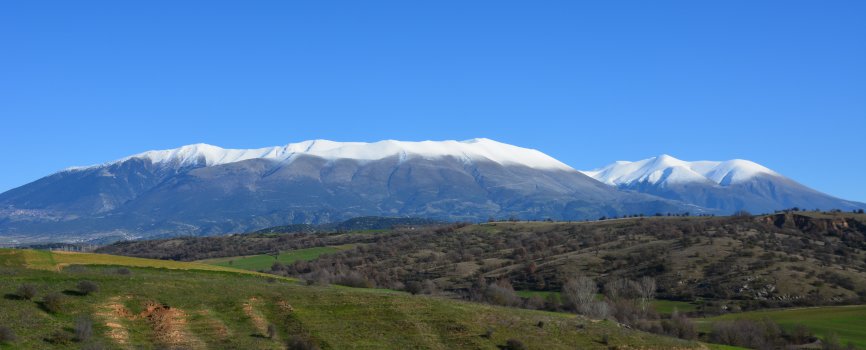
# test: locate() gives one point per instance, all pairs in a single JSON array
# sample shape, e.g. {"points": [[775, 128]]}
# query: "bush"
{"points": [[59, 338], [87, 287], [7, 335], [123, 271], [83, 328], [752, 334], [53, 302], [353, 279], [680, 326], [514, 344], [27, 291], [413, 287], [501, 293]]}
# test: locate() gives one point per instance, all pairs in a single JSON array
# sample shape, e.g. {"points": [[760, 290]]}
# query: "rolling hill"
{"points": [[137, 306]]}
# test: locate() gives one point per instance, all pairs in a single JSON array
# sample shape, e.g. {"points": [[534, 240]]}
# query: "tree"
{"points": [[87, 287], [647, 290], [27, 291], [579, 293]]}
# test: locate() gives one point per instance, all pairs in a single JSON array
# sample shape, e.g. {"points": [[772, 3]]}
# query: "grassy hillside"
{"points": [[265, 261], [847, 322], [779, 260], [190, 305]]}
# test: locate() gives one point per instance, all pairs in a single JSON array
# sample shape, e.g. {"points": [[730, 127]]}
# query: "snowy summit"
{"points": [[664, 169], [479, 149]]}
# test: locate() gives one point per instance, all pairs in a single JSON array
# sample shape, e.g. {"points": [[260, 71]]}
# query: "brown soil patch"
{"points": [[256, 316], [170, 326], [285, 306], [214, 326], [113, 313]]}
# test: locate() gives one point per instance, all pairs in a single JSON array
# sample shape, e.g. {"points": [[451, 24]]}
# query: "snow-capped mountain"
{"points": [[202, 189], [479, 149], [725, 185]]}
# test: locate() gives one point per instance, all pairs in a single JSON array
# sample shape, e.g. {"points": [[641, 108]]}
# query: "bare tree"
{"points": [[620, 288], [647, 290], [579, 293]]}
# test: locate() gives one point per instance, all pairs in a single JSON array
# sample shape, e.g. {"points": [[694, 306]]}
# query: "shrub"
{"points": [[413, 287], [27, 291], [514, 344], [87, 287], [501, 293], [53, 302], [680, 326], [353, 279], [123, 271], [747, 333], [83, 328], [59, 338], [7, 335]]}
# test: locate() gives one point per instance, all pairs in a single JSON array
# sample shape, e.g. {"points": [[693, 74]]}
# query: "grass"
{"points": [[667, 307], [264, 261], [229, 308], [55, 260], [847, 322]]}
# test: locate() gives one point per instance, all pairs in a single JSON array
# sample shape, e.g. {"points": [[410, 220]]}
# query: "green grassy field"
{"points": [[264, 261], [848, 322], [47, 260], [666, 307], [180, 306]]}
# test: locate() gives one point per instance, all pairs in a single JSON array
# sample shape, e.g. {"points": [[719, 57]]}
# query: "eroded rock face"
{"points": [[809, 224]]}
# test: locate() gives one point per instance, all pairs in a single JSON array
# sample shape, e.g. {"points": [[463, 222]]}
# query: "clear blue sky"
{"points": [[782, 83]]}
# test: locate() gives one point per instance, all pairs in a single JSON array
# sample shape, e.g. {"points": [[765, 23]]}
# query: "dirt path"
{"points": [[170, 326], [113, 313], [252, 311]]}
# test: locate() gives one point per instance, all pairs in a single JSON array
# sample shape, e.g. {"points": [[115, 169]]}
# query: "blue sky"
{"points": [[782, 83]]}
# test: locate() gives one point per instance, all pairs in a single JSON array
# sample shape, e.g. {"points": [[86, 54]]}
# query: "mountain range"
{"points": [[202, 189]]}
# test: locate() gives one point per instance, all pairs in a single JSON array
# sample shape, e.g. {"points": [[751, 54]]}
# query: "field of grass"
{"points": [[264, 261], [56, 260], [666, 307], [847, 322], [178, 307]]}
